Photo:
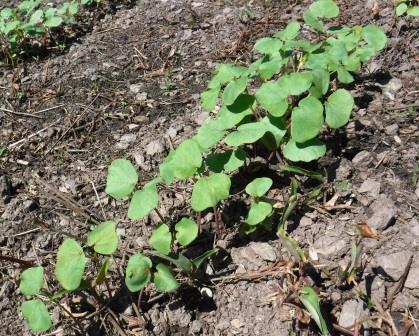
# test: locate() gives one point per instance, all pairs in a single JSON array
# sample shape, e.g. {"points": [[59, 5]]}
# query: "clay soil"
{"points": [[128, 85]]}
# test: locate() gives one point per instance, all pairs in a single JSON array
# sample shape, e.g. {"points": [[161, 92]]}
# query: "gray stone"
{"points": [[327, 245], [384, 212], [154, 147], [344, 170], [140, 119], [236, 323], [392, 129], [264, 250], [412, 281], [306, 221], [141, 97], [393, 264], [413, 226], [196, 327], [171, 132], [135, 88], [351, 311], [363, 158], [371, 187], [392, 87]]}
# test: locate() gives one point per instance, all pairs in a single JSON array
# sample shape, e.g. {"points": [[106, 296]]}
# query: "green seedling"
{"points": [[349, 274], [69, 272], [311, 302], [259, 209], [406, 7]]}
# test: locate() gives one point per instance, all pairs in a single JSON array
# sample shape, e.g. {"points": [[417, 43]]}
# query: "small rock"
{"points": [[371, 187], [236, 323], [141, 97], [412, 281], [132, 127], [125, 141], [264, 250], [171, 132], [344, 170], [327, 245], [140, 119], [363, 158], [392, 129], [196, 327], [187, 34], [397, 139], [306, 221], [351, 310], [384, 212], [154, 147], [135, 88], [391, 88], [392, 265], [414, 226]]}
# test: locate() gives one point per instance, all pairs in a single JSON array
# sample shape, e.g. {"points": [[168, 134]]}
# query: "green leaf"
{"points": [[298, 170], [321, 80], [31, 280], [225, 73], [413, 10], [209, 98], [232, 115], [344, 75], [186, 231], [338, 108], [276, 129], [324, 9], [161, 239], [298, 82], [101, 276], [122, 178], [164, 279], [401, 8], [272, 99], [310, 300], [138, 272], [70, 264], [180, 262], [184, 161], [143, 202], [53, 21], [234, 89], [103, 238], [290, 32], [306, 119], [73, 8], [258, 212], [259, 186], [6, 13], [208, 191], [36, 17], [269, 68], [36, 315], [311, 19], [227, 161], [307, 151], [268, 45], [210, 133], [197, 262], [374, 36], [246, 133]]}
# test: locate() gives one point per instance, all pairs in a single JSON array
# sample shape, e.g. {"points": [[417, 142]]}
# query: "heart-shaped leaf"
{"points": [[374, 36], [103, 238], [234, 89], [271, 99], [310, 300], [306, 119], [290, 32], [246, 133], [208, 191], [259, 186], [338, 108], [143, 202], [186, 231], [209, 98], [268, 45], [36, 315], [297, 82], [122, 178], [31, 280], [164, 279], [70, 264], [227, 161], [210, 133], [138, 272], [307, 151], [161, 239], [258, 212]]}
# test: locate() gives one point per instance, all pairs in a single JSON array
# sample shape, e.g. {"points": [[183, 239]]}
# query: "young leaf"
{"points": [[186, 231], [258, 212], [306, 119], [290, 32], [161, 239], [338, 108], [324, 9], [143, 202], [227, 161], [268, 45], [276, 129], [259, 186], [53, 21], [209, 99], [234, 89], [321, 80], [246, 133], [31, 280], [101, 276], [224, 74], [413, 10], [186, 159], [268, 68], [103, 238], [375, 37], [232, 115], [180, 262], [210, 133], [164, 279], [298, 82], [271, 99], [197, 262], [297, 170], [310, 300], [208, 191], [36, 17], [70, 264], [138, 272], [122, 178], [307, 151], [36, 315]]}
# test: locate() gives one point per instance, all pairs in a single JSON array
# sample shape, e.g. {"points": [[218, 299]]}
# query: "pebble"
{"points": [[135, 88], [392, 129], [414, 226], [171, 132], [371, 187], [140, 119], [363, 158], [384, 212], [154, 147], [306, 221], [264, 250], [236, 323], [392, 87], [351, 311], [392, 265], [327, 245]]}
